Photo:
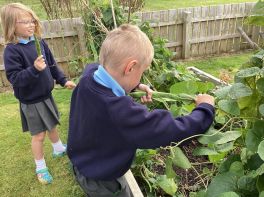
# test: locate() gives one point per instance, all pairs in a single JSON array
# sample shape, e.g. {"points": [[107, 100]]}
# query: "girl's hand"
{"points": [[148, 97], [70, 85], [39, 63]]}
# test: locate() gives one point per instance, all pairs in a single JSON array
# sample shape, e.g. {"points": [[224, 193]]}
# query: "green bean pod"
{"points": [[164, 96], [37, 44]]}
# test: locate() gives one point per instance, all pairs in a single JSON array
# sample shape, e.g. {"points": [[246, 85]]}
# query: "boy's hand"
{"points": [[148, 97], [204, 98], [70, 85], [39, 63]]}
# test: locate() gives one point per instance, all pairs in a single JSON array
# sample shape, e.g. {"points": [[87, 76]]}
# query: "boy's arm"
{"points": [[144, 129]]}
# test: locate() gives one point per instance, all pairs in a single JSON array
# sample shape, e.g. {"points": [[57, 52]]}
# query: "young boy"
{"points": [[106, 126]]}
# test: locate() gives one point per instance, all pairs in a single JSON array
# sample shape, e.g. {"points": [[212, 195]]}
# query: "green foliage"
{"points": [[256, 16], [98, 19], [242, 104]]}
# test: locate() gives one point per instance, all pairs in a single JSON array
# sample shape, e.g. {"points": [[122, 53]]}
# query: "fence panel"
{"points": [[213, 29], [191, 32]]}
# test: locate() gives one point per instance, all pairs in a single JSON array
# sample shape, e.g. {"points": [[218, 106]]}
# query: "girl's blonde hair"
{"points": [[10, 13], [123, 43]]}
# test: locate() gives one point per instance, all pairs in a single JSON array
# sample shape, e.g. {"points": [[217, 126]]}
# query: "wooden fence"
{"points": [[191, 32], [203, 31]]}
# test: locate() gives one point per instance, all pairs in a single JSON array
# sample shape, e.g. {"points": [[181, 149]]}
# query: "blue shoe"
{"points": [[59, 154], [44, 176]]}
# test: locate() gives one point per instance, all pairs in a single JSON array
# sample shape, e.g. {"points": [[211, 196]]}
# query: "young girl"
{"points": [[32, 78]]}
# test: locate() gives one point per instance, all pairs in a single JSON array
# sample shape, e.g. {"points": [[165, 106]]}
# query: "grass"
{"points": [[149, 4], [217, 65], [173, 4], [17, 166], [35, 5]]}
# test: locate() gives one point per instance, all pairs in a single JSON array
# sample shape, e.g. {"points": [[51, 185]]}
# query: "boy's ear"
{"points": [[130, 66]]}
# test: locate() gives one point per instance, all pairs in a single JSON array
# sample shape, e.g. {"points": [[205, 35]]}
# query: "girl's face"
{"points": [[25, 26]]}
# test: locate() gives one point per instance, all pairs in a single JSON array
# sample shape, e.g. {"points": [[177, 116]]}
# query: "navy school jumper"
{"points": [[30, 85], [105, 130]]}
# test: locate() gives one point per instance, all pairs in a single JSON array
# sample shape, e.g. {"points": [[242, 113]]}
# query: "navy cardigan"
{"points": [[105, 130], [29, 84]]}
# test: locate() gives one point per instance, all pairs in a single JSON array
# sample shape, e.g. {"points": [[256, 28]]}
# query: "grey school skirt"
{"points": [[39, 117]]}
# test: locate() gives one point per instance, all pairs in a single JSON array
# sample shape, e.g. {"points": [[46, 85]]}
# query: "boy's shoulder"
{"points": [[90, 68]]}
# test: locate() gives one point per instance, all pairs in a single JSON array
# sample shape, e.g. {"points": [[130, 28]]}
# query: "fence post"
{"points": [[187, 25]]}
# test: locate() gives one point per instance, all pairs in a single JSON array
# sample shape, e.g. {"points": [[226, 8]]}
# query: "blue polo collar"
{"points": [[104, 78], [24, 41]]}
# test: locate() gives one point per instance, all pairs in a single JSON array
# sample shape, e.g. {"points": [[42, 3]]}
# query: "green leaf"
{"points": [[260, 184], [255, 135], [245, 155], [248, 72], [210, 137], [239, 90], [224, 147], [229, 106], [256, 16], [179, 159], [261, 109], [261, 194], [222, 183], [260, 86], [222, 93], [247, 185], [167, 184], [204, 87], [217, 158], [237, 168], [255, 20], [254, 162], [260, 170], [228, 136], [225, 166], [228, 194], [246, 102], [204, 151], [187, 87], [220, 119], [261, 150], [169, 169]]}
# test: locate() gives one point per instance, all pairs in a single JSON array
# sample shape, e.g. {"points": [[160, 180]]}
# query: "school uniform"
{"points": [[107, 127], [33, 87]]}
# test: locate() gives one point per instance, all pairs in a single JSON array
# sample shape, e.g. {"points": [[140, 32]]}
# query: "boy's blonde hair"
{"points": [[10, 13], [124, 43]]}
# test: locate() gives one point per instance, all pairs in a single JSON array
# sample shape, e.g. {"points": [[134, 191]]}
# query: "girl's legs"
{"points": [[58, 148], [37, 149], [37, 145]]}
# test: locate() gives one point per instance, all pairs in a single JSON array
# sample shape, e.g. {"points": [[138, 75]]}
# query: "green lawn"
{"points": [[216, 65], [17, 166], [172, 4], [35, 5], [149, 4]]}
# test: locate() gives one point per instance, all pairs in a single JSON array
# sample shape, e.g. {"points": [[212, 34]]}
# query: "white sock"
{"points": [[40, 164], [58, 147]]}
